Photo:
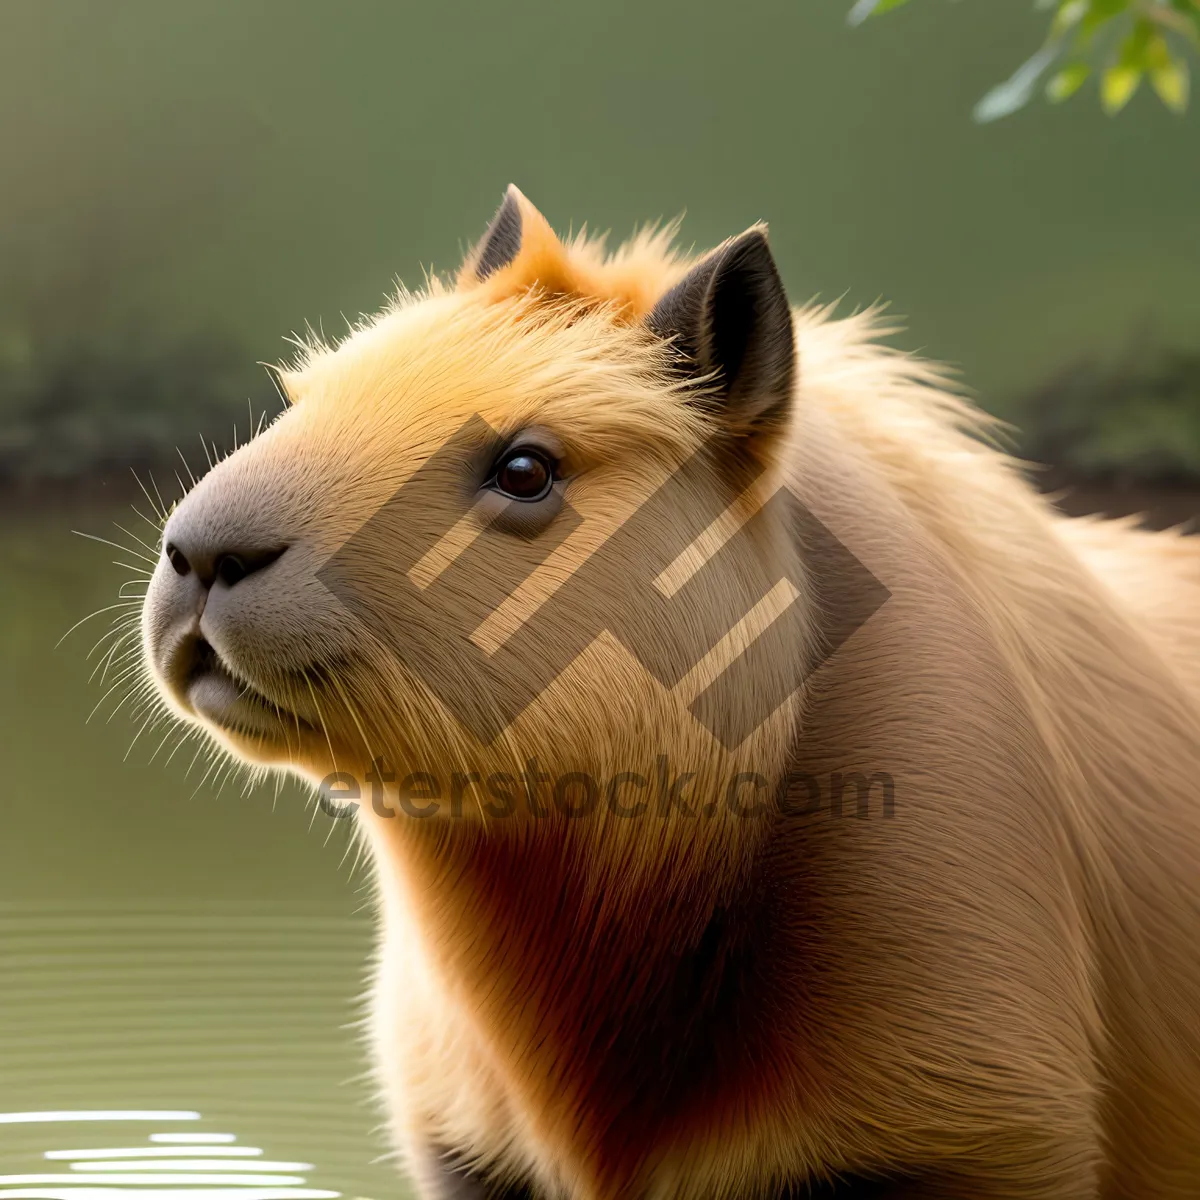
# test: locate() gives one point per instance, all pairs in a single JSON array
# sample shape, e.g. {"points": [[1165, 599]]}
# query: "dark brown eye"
{"points": [[524, 474]]}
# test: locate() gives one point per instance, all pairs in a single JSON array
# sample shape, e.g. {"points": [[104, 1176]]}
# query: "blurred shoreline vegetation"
{"points": [[93, 382], [1125, 422], [72, 410], [75, 410]]}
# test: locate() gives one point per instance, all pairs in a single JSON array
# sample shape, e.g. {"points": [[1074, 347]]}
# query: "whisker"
{"points": [[204, 778], [105, 661], [224, 770], [187, 466], [120, 628], [371, 755], [115, 684], [120, 704], [91, 537], [141, 730], [84, 620], [130, 650], [321, 717], [187, 733], [157, 526], [161, 503], [324, 729], [159, 511], [129, 533], [193, 762], [161, 744]]}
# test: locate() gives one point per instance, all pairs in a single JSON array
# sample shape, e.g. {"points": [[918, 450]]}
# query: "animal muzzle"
{"points": [[223, 622]]}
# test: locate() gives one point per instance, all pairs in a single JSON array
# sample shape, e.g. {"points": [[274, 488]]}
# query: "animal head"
{"points": [[520, 515]]}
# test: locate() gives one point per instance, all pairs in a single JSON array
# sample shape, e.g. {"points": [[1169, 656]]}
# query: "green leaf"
{"points": [[1157, 53], [1069, 14], [1067, 82], [1143, 52], [1136, 57], [1138, 48], [1016, 91], [1099, 13], [1190, 11], [1168, 74], [1117, 87], [1171, 82], [871, 8], [1185, 18]]}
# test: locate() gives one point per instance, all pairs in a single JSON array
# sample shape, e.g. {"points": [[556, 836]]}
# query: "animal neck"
{"points": [[595, 984]]}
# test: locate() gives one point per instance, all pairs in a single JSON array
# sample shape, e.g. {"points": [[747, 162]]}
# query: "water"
{"points": [[168, 947], [164, 1165], [167, 1166]]}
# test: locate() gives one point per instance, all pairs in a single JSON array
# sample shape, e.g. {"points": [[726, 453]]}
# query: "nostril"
{"points": [[178, 559], [233, 568]]}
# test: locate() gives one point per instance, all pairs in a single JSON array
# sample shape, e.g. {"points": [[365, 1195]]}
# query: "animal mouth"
{"points": [[233, 704]]}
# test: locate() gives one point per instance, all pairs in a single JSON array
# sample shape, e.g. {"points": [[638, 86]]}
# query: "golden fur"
{"points": [[994, 993]]}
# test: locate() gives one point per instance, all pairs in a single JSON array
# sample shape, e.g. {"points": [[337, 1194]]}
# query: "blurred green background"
{"points": [[184, 184]]}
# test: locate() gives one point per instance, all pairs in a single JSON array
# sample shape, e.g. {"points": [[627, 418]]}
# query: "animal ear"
{"points": [[520, 238], [502, 241], [730, 325]]}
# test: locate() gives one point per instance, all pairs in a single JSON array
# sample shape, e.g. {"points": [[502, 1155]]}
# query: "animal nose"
{"points": [[228, 563]]}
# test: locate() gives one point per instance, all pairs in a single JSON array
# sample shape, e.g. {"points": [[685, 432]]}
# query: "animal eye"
{"points": [[524, 473]]}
